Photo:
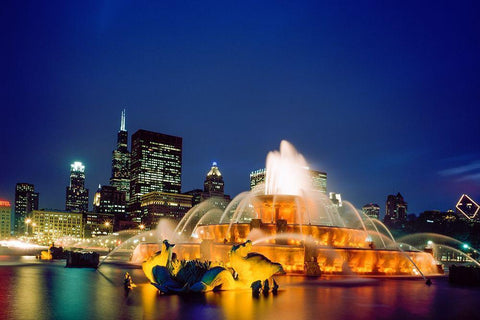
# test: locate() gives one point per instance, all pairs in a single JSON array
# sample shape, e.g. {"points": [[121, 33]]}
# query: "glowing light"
{"points": [[465, 246], [460, 204], [142, 226], [19, 244], [77, 166], [4, 203], [429, 242]]}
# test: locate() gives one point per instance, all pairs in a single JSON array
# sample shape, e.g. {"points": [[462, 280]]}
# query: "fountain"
{"points": [[291, 223]]}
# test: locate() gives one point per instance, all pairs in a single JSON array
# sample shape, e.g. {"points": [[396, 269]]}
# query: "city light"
{"points": [[77, 166]]}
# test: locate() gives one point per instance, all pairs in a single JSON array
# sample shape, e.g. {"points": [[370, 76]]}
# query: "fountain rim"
{"points": [[291, 246], [290, 224]]}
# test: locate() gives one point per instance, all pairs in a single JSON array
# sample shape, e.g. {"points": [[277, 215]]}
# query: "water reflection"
{"points": [[50, 291]]}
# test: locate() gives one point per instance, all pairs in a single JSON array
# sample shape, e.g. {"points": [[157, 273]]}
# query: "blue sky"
{"points": [[382, 96]]}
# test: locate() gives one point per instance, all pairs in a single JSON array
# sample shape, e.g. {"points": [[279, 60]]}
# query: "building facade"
{"points": [[121, 161], [48, 226], [257, 178], [109, 207], [76, 194], [159, 205], [318, 179], [214, 186], [372, 210], [26, 200], [395, 209], [5, 219], [156, 165], [196, 196]]}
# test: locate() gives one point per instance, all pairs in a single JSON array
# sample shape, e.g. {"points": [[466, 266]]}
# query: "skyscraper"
{"points": [[156, 165], [109, 206], [213, 186], [121, 161], [26, 200], [77, 195], [396, 209]]}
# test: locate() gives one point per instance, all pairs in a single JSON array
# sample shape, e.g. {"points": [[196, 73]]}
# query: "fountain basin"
{"points": [[330, 260]]}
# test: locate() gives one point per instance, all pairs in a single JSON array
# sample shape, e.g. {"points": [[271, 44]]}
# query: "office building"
{"points": [[26, 200], [109, 200], [156, 165], [77, 195], [121, 161], [196, 196], [109, 207], [395, 209], [372, 210], [319, 180], [214, 186], [48, 226], [157, 205], [5, 219], [257, 178]]}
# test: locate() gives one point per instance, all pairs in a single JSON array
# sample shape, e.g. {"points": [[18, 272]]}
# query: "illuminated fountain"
{"points": [[290, 222]]}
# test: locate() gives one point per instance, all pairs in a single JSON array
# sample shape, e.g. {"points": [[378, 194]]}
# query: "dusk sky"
{"points": [[384, 97]]}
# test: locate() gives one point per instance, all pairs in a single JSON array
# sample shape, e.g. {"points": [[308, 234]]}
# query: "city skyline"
{"points": [[380, 97]]}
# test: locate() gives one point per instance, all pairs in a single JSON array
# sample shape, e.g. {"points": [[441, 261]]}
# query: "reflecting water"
{"points": [[40, 290]]}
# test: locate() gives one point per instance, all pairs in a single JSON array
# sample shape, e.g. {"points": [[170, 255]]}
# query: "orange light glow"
{"points": [[4, 203]]}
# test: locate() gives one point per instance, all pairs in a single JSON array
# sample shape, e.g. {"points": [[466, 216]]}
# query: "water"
{"points": [[47, 290]]}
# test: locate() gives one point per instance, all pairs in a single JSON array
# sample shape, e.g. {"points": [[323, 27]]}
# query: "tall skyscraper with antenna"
{"points": [[121, 161]]}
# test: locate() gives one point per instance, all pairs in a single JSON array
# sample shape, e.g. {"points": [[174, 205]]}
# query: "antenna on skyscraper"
{"points": [[122, 122]]}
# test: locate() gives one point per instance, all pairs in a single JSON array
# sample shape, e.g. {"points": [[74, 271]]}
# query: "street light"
{"points": [[142, 226]]}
